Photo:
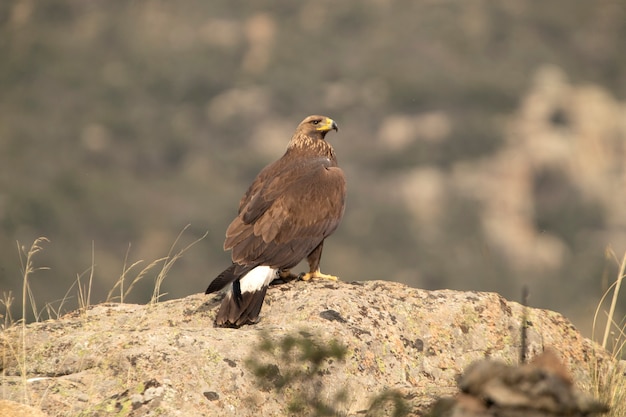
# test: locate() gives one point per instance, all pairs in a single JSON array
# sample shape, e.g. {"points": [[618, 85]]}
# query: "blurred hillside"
{"points": [[484, 143]]}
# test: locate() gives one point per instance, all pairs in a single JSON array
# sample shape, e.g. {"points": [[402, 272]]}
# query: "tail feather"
{"points": [[242, 303], [233, 313], [229, 275]]}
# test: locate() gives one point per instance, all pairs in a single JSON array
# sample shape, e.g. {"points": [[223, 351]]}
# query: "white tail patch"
{"points": [[259, 277]]}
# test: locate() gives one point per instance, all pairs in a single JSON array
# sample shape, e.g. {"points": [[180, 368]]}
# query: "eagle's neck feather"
{"points": [[307, 146]]}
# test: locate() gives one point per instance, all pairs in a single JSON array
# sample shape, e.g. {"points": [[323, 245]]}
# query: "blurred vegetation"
{"points": [[122, 122], [295, 367], [301, 361]]}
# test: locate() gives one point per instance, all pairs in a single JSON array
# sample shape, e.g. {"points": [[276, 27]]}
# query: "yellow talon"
{"points": [[318, 275]]}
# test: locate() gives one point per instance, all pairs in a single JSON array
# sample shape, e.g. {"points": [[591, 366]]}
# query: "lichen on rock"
{"points": [[169, 359]]}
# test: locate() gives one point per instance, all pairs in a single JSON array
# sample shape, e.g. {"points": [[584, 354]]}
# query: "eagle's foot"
{"points": [[317, 275]]}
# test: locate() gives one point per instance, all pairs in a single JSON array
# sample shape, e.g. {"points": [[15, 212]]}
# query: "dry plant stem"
{"points": [[125, 271], [601, 302], [59, 310], [93, 264], [84, 294], [142, 274], [524, 328], [7, 301], [618, 284], [27, 269], [170, 260], [608, 377]]}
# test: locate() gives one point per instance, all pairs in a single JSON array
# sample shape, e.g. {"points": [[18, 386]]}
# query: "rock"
{"points": [[14, 409], [542, 388], [385, 343]]}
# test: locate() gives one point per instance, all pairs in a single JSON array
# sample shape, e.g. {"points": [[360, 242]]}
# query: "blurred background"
{"points": [[484, 142]]}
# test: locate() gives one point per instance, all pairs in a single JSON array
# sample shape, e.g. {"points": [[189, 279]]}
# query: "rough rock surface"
{"points": [[541, 388], [10, 408], [169, 359]]}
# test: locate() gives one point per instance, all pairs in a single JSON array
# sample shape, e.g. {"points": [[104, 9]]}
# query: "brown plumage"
{"points": [[291, 207]]}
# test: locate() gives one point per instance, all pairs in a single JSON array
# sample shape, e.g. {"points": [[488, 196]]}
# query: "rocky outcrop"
{"points": [[541, 388], [395, 343]]}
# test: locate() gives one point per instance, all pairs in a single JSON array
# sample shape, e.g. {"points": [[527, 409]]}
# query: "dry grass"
{"points": [[609, 378], [14, 348], [169, 261]]}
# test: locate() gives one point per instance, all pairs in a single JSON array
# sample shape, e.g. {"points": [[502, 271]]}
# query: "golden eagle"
{"points": [[291, 207]]}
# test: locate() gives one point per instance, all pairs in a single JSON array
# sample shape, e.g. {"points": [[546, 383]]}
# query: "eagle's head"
{"points": [[317, 126]]}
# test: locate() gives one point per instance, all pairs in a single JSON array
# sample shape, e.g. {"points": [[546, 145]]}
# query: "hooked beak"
{"points": [[327, 125]]}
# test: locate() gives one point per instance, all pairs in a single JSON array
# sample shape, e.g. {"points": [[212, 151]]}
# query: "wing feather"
{"points": [[288, 210]]}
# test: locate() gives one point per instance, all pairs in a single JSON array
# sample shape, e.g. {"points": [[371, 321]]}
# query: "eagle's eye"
{"points": [[315, 122]]}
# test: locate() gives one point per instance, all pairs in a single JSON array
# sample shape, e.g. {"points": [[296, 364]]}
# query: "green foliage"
{"points": [[296, 366]]}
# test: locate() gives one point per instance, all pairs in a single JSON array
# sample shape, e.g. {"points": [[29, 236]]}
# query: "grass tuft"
{"points": [[126, 271], [170, 259], [28, 268], [609, 377], [14, 349]]}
